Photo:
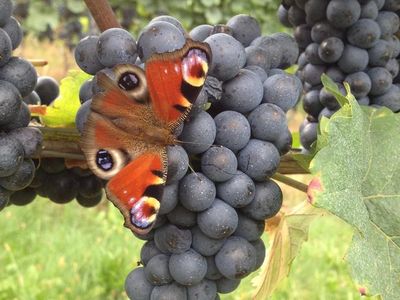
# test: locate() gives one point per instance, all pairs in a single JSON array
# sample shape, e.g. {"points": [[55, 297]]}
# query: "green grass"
{"points": [[50, 251]]}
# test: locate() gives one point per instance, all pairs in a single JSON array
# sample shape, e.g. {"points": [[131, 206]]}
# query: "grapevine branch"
{"points": [[102, 14], [290, 182]]}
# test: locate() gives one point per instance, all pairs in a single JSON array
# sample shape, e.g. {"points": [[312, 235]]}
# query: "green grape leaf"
{"points": [[62, 112], [356, 170], [288, 233]]}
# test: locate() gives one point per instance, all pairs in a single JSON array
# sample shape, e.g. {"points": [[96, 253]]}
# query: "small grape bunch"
{"points": [[207, 236], [18, 142], [353, 41]]}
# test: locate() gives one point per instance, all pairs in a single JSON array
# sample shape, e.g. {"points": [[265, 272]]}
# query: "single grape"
{"points": [[182, 217], [205, 245], [257, 56], [225, 285], [23, 197], [380, 54], [85, 55], [258, 71], [312, 55], [272, 47], [11, 155], [6, 8], [201, 32], [331, 49], [169, 199], [266, 203], [53, 165], [302, 35], [369, 10], [245, 28], [188, 268], [296, 16], [381, 80], [283, 16], [393, 67], [14, 31], [159, 37], [21, 74], [82, 115], [171, 239], [4, 197], [63, 187], [313, 73], [90, 186], [205, 290], [237, 191], [219, 164], [360, 84], [328, 99], [85, 92], [311, 103], [219, 221], [21, 178], [198, 133], [236, 259], [389, 23], [248, 228], [259, 159], [212, 271], [5, 48], [178, 162], [364, 33], [30, 138], [267, 122], [89, 201], [149, 250], [32, 99], [10, 102], [228, 58], [260, 253], [308, 134], [47, 88], [116, 46], [168, 292], [232, 130], [136, 285], [284, 142], [283, 90], [353, 60], [315, 10], [291, 53], [171, 20], [343, 13], [21, 120], [335, 74], [196, 192], [390, 98], [157, 271]]}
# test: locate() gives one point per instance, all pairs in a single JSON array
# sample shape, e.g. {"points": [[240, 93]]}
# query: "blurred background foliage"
{"points": [[70, 20]]}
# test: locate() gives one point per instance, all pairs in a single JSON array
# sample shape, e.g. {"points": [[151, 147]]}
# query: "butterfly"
{"points": [[131, 123]]}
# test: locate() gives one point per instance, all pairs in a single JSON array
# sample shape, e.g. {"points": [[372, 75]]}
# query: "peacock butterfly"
{"points": [[131, 123]]}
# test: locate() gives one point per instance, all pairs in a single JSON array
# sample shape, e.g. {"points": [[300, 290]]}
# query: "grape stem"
{"points": [[102, 14], [38, 62], [290, 182]]}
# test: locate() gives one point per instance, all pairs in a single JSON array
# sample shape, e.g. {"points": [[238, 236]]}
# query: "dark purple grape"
{"points": [[233, 130], [82, 115], [236, 259], [296, 16], [205, 245], [205, 290], [47, 89], [283, 16], [219, 221], [85, 92], [364, 33], [14, 31], [311, 103], [260, 253], [257, 56], [198, 133], [331, 49], [178, 162], [225, 285], [390, 98], [245, 28], [188, 268], [169, 198], [389, 23], [259, 159], [32, 99], [323, 30], [182, 217], [302, 35], [380, 54], [168, 292], [229, 56], [360, 84], [315, 10], [171, 239], [149, 250], [157, 271], [237, 191], [86, 55], [159, 37], [381, 81], [136, 285], [266, 203], [5, 48], [308, 134], [196, 192], [201, 32], [6, 8], [171, 20], [343, 13], [21, 178], [30, 138], [212, 271], [353, 60], [4, 197], [248, 228], [89, 201], [219, 163], [369, 10], [116, 46]]}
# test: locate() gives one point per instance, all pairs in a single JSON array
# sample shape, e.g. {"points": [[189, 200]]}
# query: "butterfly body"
{"points": [[132, 122]]}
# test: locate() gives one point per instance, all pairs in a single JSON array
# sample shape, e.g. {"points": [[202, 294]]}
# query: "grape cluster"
{"points": [[353, 41], [17, 81], [208, 233]]}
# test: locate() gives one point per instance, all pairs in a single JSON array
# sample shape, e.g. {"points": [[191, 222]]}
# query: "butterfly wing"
{"points": [[175, 80], [116, 149]]}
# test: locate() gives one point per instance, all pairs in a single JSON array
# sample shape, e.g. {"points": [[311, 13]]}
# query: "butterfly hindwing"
{"points": [[137, 190], [175, 80]]}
